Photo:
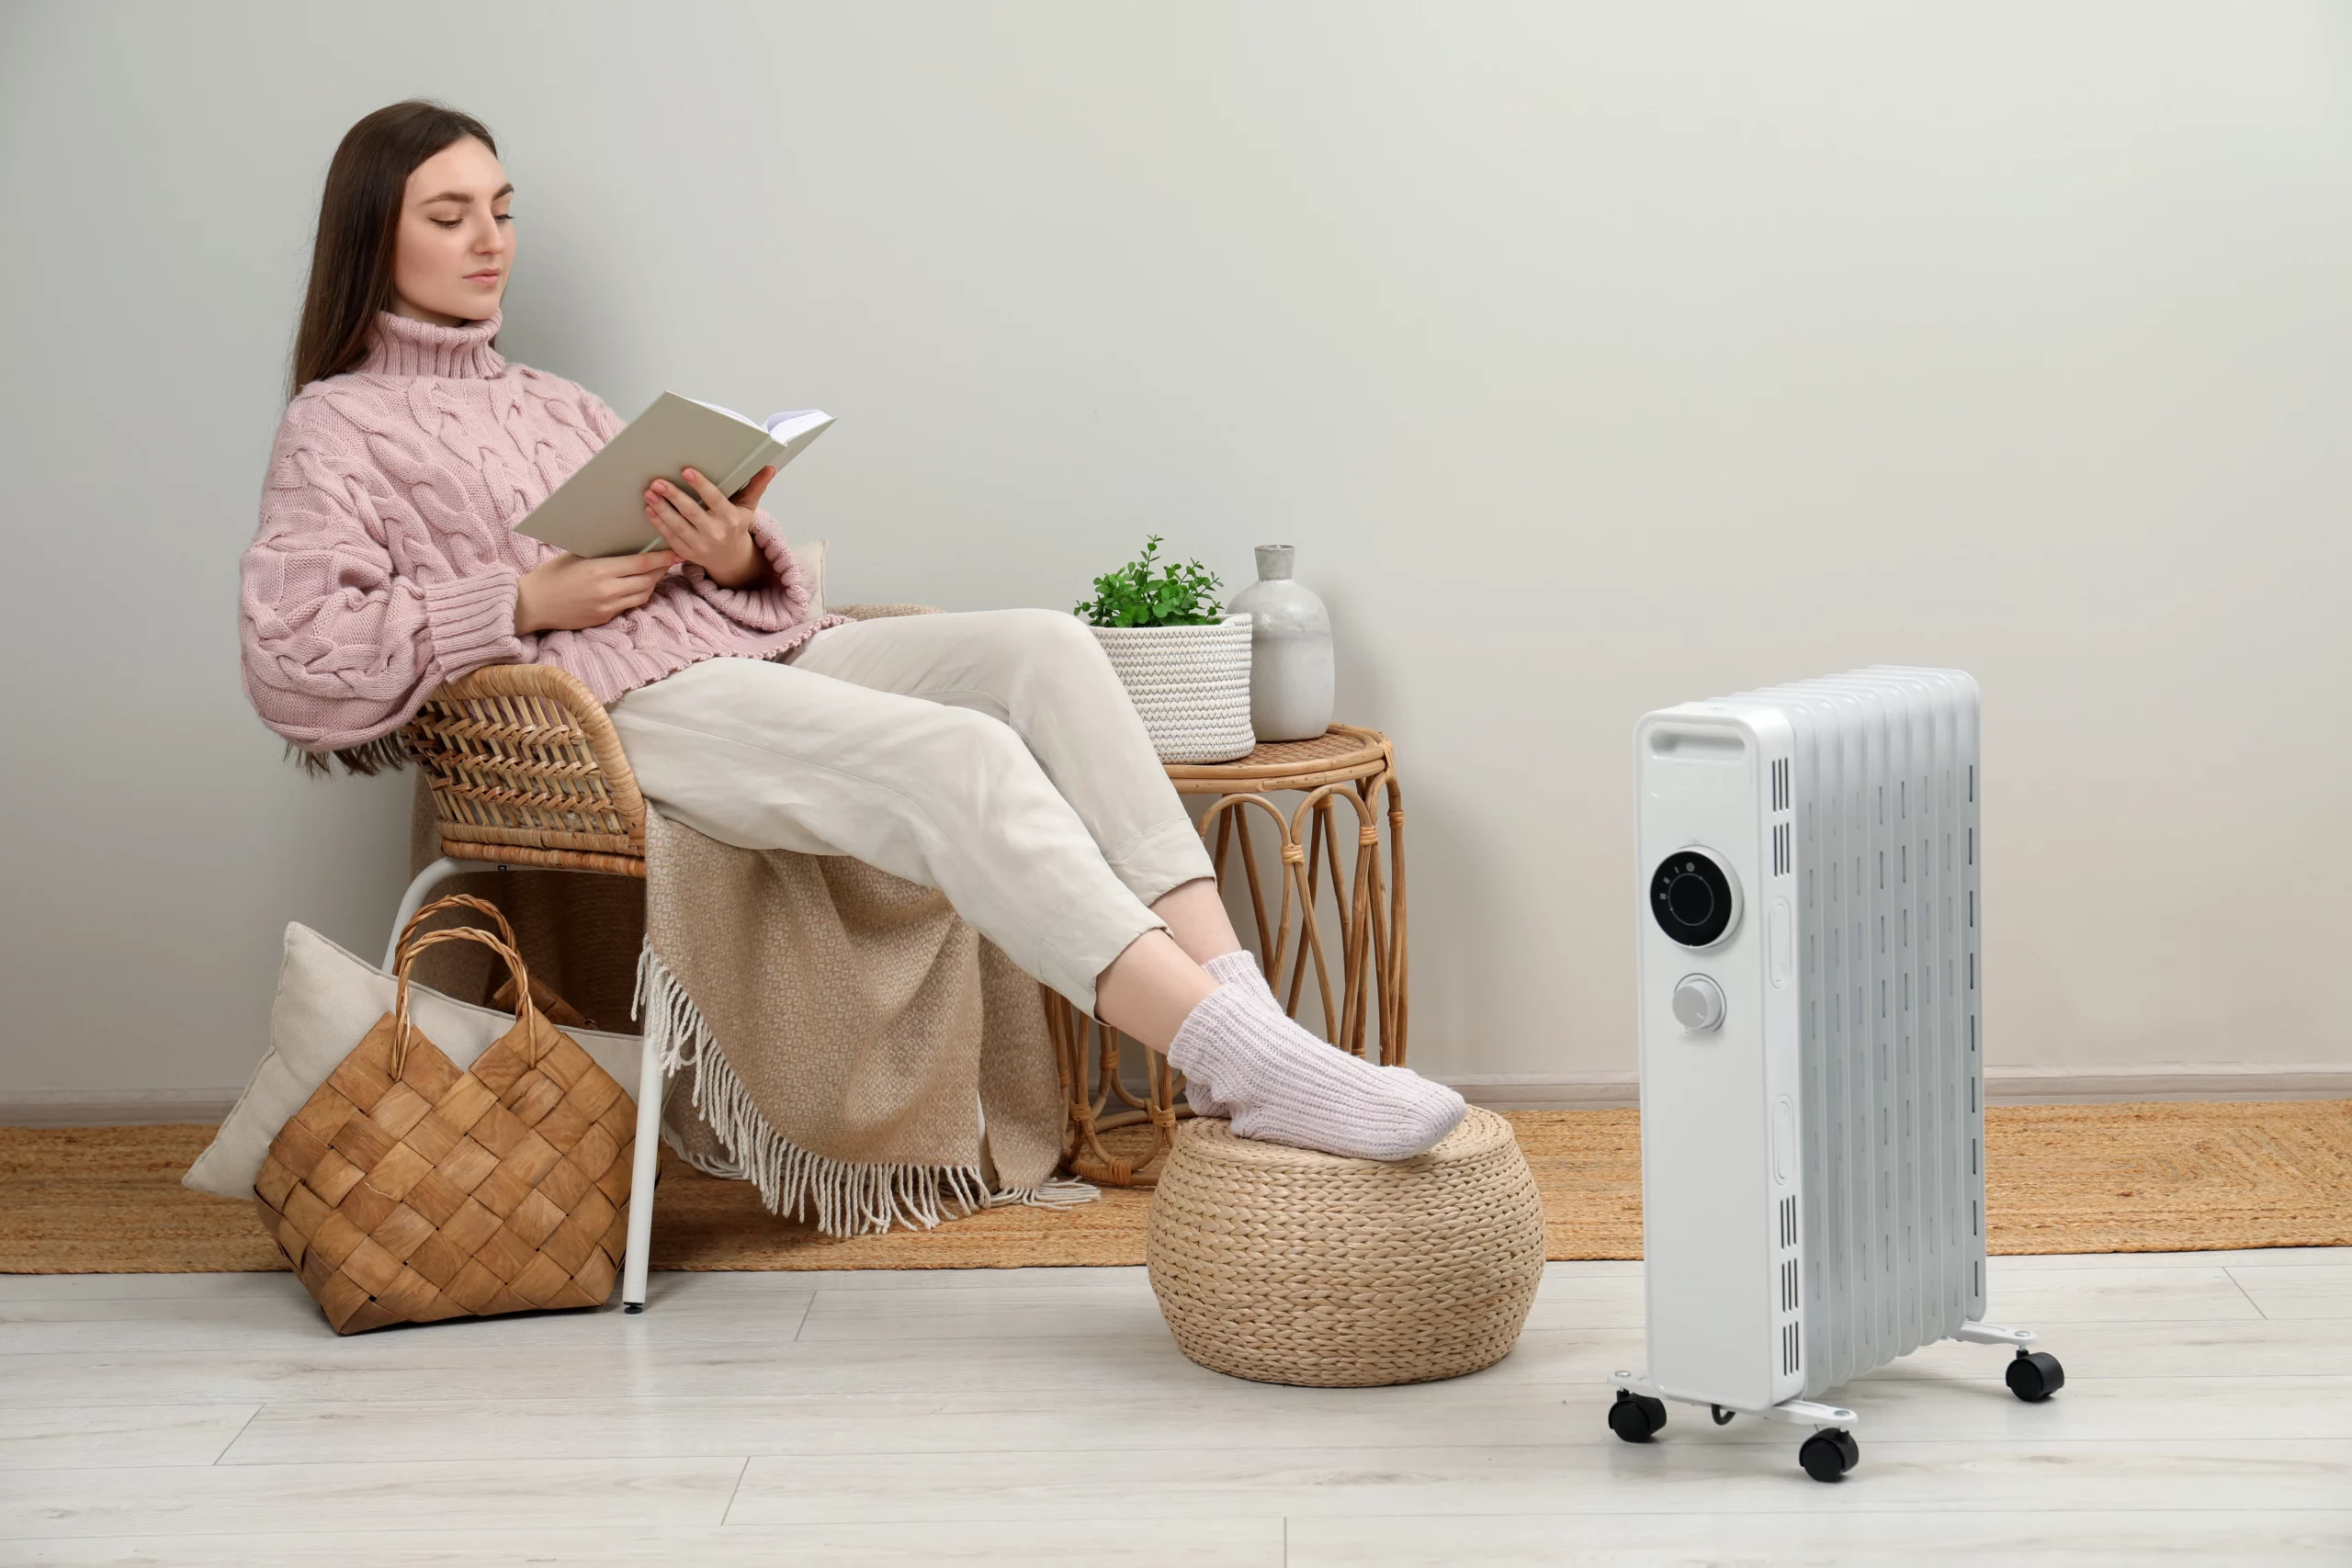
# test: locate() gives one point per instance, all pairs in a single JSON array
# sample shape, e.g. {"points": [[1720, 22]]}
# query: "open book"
{"points": [[600, 510]]}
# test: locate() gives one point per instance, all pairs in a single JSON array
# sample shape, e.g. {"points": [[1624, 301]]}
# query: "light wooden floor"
{"points": [[1045, 1418]]}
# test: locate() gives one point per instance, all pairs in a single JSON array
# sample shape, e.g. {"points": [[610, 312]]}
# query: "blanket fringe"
{"points": [[1062, 1192], [843, 1197]]}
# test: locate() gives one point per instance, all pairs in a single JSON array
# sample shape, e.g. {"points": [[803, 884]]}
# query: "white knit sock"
{"points": [[1239, 967], [1282, 1085]]}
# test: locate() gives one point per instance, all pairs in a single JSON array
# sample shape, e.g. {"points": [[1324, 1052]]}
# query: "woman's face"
{"points": [[456, 243]]}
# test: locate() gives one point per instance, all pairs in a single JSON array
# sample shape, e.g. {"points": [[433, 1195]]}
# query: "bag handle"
{"points": [[458, 900], [553, 1008], [412, 944]]}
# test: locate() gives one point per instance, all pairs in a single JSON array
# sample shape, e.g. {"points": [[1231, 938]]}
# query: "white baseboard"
{"points": [[2003, 1086], [114, 1107], [1550, 1091], [1496, 1091], [2167, 1080]]}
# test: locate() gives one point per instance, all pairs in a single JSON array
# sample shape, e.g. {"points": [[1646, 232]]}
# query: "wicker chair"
{"points": [[527, 771]]}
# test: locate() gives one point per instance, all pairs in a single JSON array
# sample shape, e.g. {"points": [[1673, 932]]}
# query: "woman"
{"points": [[992, 756]]}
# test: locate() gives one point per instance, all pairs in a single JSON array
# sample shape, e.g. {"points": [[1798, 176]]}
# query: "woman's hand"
{"points": [[710, 529], [572, 592]]}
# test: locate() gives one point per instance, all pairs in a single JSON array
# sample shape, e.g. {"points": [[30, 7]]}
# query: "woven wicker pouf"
{"points": [[1286, 1266]]}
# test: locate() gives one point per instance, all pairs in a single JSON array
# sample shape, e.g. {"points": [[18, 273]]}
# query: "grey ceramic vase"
{"points": [[1290, 651]]}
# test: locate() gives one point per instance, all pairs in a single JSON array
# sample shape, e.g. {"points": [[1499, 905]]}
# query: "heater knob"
{"points": [[1699, 1004]]}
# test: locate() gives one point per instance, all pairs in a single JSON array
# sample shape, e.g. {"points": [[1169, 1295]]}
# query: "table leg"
{"points": [[1368, 1016], [1395, 1015], [1086, 1055]]}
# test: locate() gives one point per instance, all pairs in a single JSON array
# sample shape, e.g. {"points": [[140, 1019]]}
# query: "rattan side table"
{"points": [[1359, 899]]}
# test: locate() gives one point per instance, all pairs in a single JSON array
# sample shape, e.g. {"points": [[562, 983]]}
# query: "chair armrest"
{"points": [[525, 767], [880, 611]]}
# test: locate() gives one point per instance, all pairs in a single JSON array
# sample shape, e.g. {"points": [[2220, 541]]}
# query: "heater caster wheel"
{"points": [[1830, 1454], [2035, 1375], [1636, 1417]]}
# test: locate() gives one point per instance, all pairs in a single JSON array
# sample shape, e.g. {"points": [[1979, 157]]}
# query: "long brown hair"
{"points": [[351, 279], [351, 263]]}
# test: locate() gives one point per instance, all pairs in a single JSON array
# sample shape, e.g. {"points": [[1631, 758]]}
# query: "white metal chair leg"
{"points": [[650, 1082], [413, 900]]}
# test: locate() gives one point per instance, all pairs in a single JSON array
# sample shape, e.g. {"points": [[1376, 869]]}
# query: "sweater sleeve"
{"points": [[339, 646], [776, 602]]}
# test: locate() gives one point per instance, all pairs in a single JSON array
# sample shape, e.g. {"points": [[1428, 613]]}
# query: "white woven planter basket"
{"points": [[1191, 684]]}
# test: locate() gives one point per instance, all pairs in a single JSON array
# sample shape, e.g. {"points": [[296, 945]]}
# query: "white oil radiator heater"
{"points": [[1813, 1068]]}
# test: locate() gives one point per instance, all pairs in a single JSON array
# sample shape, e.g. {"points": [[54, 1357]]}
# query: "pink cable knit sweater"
{"points": [[386, 561]]}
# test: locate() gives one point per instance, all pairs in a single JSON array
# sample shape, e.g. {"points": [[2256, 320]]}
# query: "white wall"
{"points": [[1595, 357]]}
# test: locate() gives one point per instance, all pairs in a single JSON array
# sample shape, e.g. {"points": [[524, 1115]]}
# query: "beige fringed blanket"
{"points": [[846, 1035], [758, 974]]}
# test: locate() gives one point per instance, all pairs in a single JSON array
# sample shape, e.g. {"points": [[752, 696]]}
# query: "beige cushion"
{"points": [[327, 1001]]}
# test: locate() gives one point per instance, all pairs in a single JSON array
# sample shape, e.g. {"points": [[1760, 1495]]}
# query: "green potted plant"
{"points": [[1185, 665]]}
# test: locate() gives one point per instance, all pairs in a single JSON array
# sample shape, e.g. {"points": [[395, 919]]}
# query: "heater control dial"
{"points": [[1693, 898], [1697, 1004]]}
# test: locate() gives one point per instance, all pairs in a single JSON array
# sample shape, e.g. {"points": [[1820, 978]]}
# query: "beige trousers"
{"points": [[992, 756]]}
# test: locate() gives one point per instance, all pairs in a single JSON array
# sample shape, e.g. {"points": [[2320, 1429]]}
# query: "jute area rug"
{"points": [[2155, 1178]]}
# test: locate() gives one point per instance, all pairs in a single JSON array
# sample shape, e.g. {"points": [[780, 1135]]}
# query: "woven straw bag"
{"points": [[408, 1189], [1190, 684]]}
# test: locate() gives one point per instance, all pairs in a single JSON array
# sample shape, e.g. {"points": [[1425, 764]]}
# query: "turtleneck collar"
{"points": [[399, 346]]}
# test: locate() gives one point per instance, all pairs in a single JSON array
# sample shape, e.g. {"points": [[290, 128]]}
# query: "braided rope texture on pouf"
{"points": [[1287, 1266]]}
